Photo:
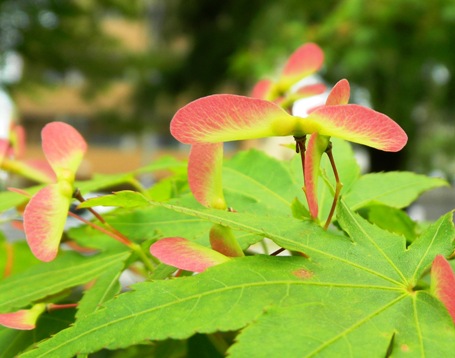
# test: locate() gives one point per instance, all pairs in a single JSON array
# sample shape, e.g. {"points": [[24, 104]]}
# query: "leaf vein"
{"points": [[355, 325]]}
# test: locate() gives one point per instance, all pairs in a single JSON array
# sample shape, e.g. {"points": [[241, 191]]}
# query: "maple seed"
{"points": [[443, 283], [284, 126]]}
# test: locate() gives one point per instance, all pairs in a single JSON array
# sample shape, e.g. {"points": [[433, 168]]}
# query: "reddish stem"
{"points": [[300, 148], [338, 187], [77, 195], [115, 235]]}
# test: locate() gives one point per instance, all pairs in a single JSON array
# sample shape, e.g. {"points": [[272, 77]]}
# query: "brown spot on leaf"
{"points": [[303, 274], [404, 348]]}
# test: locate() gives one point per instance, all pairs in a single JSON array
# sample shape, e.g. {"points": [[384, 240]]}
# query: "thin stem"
{"points": [[77, 195], [279, 251], [300, 148], [120, 238], [338, 187], [112, 232]]}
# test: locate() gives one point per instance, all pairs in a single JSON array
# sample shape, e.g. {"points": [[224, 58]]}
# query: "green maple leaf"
{"points": [[42, 280], [357, 295]]}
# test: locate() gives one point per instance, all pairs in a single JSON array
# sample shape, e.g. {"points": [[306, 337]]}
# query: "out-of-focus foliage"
{"points": [[398, 51], [56, 38], [74, 43]]}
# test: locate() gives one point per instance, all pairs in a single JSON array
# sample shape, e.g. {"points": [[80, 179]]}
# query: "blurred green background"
{"points": [[119, 69]]}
